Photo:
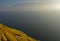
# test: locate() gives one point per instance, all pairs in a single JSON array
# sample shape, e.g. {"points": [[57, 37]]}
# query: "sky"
{"points": [[25, 5]]}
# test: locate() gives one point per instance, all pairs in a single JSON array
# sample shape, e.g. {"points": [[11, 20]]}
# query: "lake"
{"points": [[40, 25]]}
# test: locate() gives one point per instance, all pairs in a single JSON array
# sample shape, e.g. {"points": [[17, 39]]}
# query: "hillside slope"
{"points": [[9, 34]]}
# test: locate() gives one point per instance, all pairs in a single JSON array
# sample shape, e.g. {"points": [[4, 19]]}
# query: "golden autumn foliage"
{"points": [[9, 34]]}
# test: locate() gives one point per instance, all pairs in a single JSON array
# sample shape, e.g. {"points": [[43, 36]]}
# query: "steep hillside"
{"points": [[9, 34]]}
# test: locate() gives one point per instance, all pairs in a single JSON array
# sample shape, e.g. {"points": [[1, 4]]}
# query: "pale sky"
{"points": [[29, 5]]}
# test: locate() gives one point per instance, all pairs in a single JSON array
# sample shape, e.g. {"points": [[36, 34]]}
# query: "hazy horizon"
{"points": [[37, 18]]}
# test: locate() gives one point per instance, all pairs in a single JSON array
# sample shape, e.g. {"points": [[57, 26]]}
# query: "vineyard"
{"points": [[10, 34]]}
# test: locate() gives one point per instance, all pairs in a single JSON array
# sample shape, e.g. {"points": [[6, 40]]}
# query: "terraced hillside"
{"points": [[9, 34]]}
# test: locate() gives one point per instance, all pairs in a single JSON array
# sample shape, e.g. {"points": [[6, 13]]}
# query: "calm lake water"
{"points": [[40, 25]]}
